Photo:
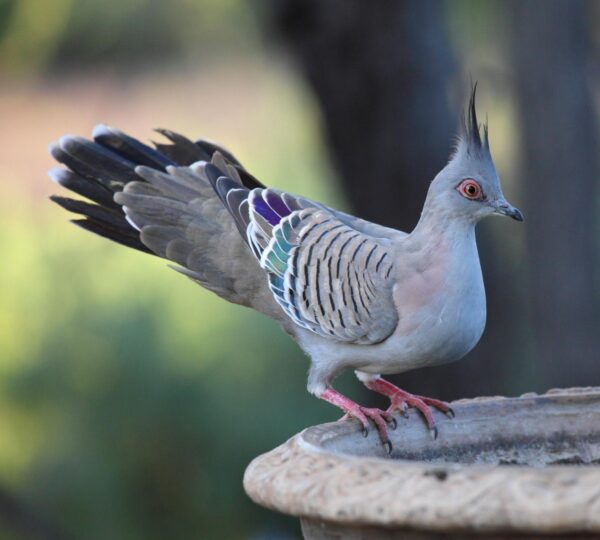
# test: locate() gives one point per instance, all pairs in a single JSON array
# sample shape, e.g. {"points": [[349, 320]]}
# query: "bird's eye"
{"points": [[470, 190]]}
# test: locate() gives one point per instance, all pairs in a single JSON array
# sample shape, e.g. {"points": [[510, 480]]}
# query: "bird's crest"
{"points": [[470, 142], [471, 129]]}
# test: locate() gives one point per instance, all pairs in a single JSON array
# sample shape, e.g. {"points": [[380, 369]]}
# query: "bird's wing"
{"points": [[152, 201], [328, 276]]}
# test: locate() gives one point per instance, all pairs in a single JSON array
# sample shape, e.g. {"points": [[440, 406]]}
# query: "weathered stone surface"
{"points": [[528, 465]]}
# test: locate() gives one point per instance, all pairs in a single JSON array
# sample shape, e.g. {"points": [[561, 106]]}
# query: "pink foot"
{"points": [[363, 415], [401, 400]]}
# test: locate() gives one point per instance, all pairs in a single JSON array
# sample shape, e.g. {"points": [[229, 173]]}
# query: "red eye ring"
{"points": [[470, 189]]}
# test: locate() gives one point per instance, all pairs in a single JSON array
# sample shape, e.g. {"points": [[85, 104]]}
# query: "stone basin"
{"points": [[526, 467]]}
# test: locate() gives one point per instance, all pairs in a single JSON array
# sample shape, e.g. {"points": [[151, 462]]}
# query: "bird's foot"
{"points": [[401, 401], [380, 418]]}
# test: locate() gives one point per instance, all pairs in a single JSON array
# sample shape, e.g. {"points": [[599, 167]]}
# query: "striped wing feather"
{"points": [[329, 277]]}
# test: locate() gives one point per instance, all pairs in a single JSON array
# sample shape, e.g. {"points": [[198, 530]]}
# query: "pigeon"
{"points": [[353, 294]]}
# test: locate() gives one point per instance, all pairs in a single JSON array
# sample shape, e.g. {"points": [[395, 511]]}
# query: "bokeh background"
{"points": [[130, 399]]}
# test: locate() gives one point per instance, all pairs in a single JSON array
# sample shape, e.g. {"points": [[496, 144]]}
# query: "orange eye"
{"points": [[470, 190]]}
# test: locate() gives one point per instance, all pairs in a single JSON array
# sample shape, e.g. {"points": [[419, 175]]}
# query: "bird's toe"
{"points": [[388, 446]]}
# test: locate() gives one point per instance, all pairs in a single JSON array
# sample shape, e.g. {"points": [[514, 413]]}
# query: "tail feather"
{"points": [[182, 151], [99, 169], [181, 201], [210, 148], [111, 217], [79, 167], [130, 239], [130, 148], [186, 152], [105, 164], [86, 187]]}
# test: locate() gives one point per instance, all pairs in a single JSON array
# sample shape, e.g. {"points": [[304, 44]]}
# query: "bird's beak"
{"points": [[502, 207]]}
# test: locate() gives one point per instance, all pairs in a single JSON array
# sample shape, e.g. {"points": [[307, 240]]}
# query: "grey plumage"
{"points": [[353, 294], [181, 218], [330, 278]]}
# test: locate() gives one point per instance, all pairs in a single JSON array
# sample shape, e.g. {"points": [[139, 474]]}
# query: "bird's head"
{"points": [[468, 187]]}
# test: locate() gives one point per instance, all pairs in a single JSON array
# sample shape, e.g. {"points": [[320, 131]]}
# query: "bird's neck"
{"points": [[446, 245], [435, 223]]}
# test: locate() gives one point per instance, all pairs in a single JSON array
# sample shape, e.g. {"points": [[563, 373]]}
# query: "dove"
{"points": [[354, 295]]}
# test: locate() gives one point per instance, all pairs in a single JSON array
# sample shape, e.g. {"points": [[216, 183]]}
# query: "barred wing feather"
{"points": [[328, 276]]}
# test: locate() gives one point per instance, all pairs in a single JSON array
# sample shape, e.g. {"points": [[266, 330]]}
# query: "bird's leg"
{"points": [[362, 414], [401, 400]]}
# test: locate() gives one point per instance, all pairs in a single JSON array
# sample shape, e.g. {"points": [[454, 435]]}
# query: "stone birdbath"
{"points": [[526, 467]]}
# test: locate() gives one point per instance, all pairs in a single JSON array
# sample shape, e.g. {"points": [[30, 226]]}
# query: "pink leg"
{"points": [[362, 414], [402, 400]]}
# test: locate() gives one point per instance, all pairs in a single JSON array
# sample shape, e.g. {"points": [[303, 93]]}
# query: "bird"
{"points": [[353, 294]]}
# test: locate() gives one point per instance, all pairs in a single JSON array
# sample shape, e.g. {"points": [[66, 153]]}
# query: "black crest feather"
{"points": [[471, 126]]}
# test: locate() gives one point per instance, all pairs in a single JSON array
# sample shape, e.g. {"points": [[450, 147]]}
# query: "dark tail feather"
{"points": [[98, 169], [91, 160], [86, 187], [210, 148], [130, 240], [130, 148], [182, 151], [113, 218]]}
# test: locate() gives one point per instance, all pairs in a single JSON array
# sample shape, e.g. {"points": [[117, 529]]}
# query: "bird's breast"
{"points": [[440, 300], [441, 306]]}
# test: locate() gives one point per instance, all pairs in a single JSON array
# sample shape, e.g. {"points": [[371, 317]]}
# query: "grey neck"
{"points": [[436, 223]]}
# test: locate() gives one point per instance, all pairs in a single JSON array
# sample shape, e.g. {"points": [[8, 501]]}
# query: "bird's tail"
{"points": [[97, 169]]}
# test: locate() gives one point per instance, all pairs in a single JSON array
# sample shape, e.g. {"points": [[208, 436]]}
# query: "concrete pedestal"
{"points": [[525, 467]]}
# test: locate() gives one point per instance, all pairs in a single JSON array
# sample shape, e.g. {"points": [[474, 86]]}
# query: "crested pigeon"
{"points": [[353, 294]]}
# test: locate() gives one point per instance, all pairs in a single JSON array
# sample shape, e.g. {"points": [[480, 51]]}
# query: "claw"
{"points": [[401, 401], [393, 423], [364, 415], [388, 446]]}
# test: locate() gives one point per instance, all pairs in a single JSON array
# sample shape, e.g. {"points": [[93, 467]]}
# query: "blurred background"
{"points": [[131, 400]]}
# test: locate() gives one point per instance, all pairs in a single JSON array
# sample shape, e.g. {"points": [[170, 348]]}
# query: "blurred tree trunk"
{"points": [[551, 56], [381, 71]]}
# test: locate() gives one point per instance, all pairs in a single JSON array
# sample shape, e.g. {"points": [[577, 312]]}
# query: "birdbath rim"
{"points": [[497, 467]]}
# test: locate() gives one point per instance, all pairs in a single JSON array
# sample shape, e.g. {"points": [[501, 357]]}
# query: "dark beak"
{"points": [[502, 207]]}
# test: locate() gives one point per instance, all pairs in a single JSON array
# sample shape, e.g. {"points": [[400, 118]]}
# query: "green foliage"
{"points": [[87, 34]]}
